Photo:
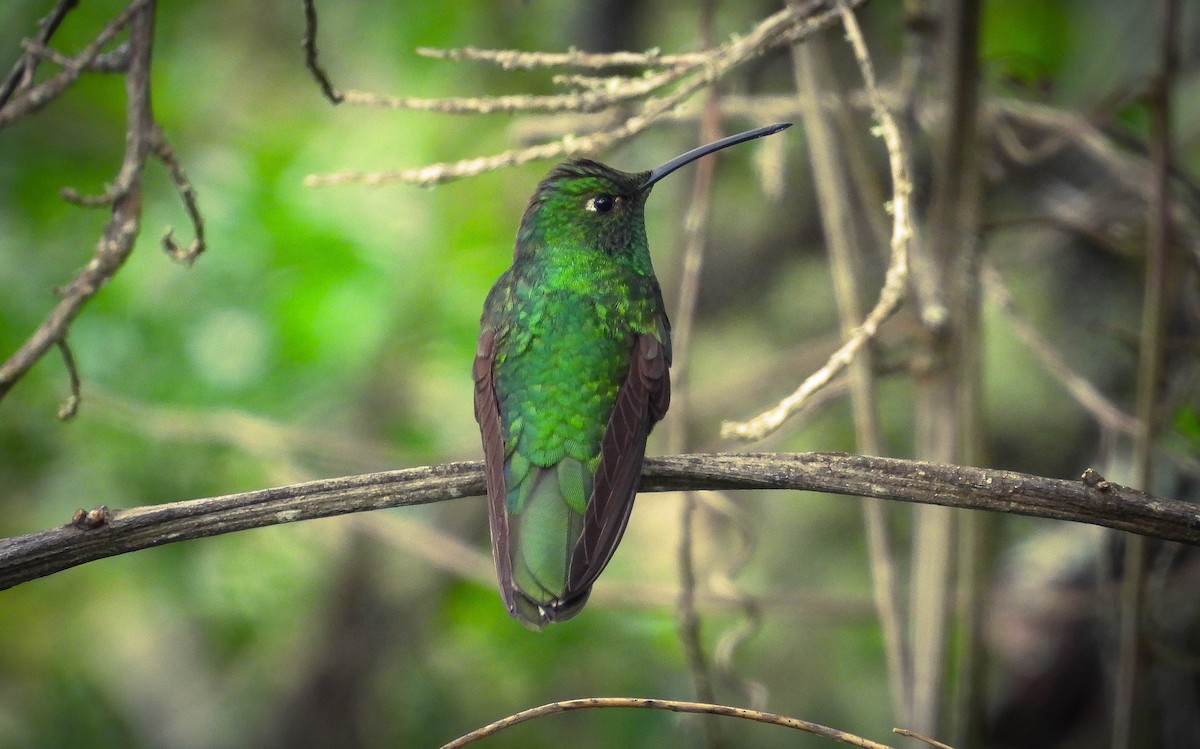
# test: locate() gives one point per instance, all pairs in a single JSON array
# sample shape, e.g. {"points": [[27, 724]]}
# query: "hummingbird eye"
{"points": [[602, 203]]}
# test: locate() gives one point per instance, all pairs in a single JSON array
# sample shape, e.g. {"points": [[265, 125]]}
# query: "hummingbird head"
{"points": [[583, 203]]}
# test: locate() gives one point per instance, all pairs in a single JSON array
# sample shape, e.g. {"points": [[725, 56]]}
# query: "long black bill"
{"points": [[717, 145]]}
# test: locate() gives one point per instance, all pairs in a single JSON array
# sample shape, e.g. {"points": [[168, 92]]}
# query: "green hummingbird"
{"points": [[571, 374]]}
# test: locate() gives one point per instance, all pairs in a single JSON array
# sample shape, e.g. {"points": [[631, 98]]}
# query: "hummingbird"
{"points": [[571, 374]]}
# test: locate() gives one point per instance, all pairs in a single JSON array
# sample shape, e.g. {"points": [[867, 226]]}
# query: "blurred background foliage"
{"points": [[330, 331]]}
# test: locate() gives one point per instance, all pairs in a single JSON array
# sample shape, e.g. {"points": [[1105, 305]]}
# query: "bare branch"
{"points": [[22, 72], [143, 137], [688, 622], [778, 29], [616, 91], [829, 155], [116, 61], [125, 195], [28, 557], [510, 59], [1159, 284], [34, 99], [104, 199], [675, 706]]}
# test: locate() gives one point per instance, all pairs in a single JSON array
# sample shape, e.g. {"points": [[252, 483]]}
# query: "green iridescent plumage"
{"points": [[571, 375]]}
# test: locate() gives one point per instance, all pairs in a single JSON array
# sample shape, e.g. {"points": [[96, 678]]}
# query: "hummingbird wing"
{"points": [[641, 402], [487, 413], [530, 510]]}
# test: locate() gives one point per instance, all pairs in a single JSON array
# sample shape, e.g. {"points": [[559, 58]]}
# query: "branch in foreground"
{"points": [[675, 706], [103, 533]]}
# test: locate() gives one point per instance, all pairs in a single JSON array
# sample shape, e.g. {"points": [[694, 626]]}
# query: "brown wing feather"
{"points": [[642, 401], [487, 413]]}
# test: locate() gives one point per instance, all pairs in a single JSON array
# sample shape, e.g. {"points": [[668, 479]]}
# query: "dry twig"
{"points": [[71, 407], [828, 156], [310, 54], [34, 99], [22, 72], [925, 739], [676, 706]]}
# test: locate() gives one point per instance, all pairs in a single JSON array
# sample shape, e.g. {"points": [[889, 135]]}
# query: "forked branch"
{"points": [[143, 139]]}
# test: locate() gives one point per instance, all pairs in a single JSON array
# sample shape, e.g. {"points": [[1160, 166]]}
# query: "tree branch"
{"points": [[778, 29], [126, 193], [33, 99], [143, 139], [102, 533], [22, 72]]}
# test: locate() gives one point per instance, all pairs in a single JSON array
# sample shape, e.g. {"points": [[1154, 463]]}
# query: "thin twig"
{"points": [[948, 560], [28, 557], [68, 409], [116, 61], [23, 70], [1058, 223], [897, 273], [509, 59], [580, 101], [309, 41], [914, 735], [34, 99], [732, 518], [162, 150], [447, 552], [103, 200], [675, 706], [123, 196]]}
